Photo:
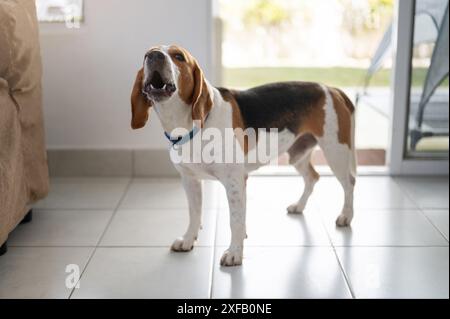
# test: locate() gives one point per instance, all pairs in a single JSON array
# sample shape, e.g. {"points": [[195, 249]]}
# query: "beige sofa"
{"points": [[23, 161]]}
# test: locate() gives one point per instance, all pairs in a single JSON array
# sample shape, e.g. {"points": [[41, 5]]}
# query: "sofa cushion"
{"points": [[23, 159], [19, 50], [13, 189]]}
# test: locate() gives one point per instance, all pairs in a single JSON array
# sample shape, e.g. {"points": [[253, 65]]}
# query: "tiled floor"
{"points": [[118, 231]]}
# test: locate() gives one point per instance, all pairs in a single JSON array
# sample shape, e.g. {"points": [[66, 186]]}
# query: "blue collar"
{"points": [[180, 140]]}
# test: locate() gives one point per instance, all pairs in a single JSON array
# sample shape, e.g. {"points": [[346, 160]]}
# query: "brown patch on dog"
{"points": [[139, 103], [314, 121], [186, 68], [344, 109], [202, 104], [348, 102], [237, 120], [192, 86]]}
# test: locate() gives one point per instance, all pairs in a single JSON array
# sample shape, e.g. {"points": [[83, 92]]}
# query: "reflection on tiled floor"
{"points": [[118, 232]]}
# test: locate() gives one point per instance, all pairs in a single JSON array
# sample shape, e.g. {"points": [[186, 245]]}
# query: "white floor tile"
{"points": [[385, 228], [156, 227], [275, 193], [62, 228], [427, 192], [440, 219], [147, 273], [39, 272], [84, 193], [280, 272], [397, 272], [276, 228], [370, 193], [166, 193]]}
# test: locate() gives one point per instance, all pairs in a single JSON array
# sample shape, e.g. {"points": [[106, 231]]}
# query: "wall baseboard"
{"points": [[151, 163], [114, 163]]}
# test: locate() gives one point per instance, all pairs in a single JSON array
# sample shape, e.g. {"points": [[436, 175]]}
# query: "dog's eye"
{"points": [[179, 57]]}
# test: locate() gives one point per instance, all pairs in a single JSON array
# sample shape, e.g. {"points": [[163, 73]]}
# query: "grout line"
{"points": [[341, 267], [214, 248], [83, 210], [405, 192], [346, 278], [364, 210], [421, 210], [103, 234], [50, 246], [390, 246], [119, 208], [279, 246], [150, 246], [70, 179], [435, 226], [93, 249], [115, 210], [133, 158]]}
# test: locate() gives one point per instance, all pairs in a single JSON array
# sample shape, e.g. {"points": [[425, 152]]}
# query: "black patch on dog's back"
{"points": [[277, 105]]}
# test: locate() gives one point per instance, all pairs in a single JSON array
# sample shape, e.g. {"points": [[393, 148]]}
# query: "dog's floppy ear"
{"points": [[201, 101], [139, 103]]}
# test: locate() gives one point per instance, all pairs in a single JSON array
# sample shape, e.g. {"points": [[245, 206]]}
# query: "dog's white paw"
{"points": [[183, 244], [344, 220], [294, 209], [232, 257]]}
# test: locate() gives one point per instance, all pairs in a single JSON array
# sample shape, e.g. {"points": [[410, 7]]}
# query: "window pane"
{"points": [[429, 99], [334, 42]]}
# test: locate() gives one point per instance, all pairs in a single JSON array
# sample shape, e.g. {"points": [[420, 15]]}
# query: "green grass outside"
{"points": [[336, 76]]}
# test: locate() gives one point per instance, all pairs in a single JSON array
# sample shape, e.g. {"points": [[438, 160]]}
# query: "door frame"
{"points": [[398, 162]]}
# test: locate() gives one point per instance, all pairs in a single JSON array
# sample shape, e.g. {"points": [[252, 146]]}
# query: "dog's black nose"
{"points": [[155, 56]]}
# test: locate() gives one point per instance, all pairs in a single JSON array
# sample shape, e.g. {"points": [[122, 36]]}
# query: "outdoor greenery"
{"points": [[336, 76], [359, 21], [266, 13]]}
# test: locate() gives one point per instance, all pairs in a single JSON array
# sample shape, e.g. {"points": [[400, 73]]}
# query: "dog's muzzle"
{"points": [[157, 86]]}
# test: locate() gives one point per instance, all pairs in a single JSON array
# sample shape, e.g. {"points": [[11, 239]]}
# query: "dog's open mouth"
{"points": [[156, 87]]}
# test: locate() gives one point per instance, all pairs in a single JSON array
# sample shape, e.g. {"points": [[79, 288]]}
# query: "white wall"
{"points": [[89, 72]]}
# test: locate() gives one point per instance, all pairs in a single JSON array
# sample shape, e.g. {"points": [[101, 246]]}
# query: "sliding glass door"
{"points": [[420, 112]]}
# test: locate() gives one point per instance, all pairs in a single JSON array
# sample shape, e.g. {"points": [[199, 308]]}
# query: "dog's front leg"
{"points": [[236, 193], [193, 188]]}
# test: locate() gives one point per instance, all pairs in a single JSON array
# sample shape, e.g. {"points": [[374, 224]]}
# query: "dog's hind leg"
{"points": [[300, 157], [338, 145], [339, 158]]}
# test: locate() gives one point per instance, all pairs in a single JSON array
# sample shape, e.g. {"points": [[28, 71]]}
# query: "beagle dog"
{"points": [[302, 114]]}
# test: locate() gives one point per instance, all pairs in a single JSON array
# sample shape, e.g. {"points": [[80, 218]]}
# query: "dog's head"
{"points": [[169, 72]]}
